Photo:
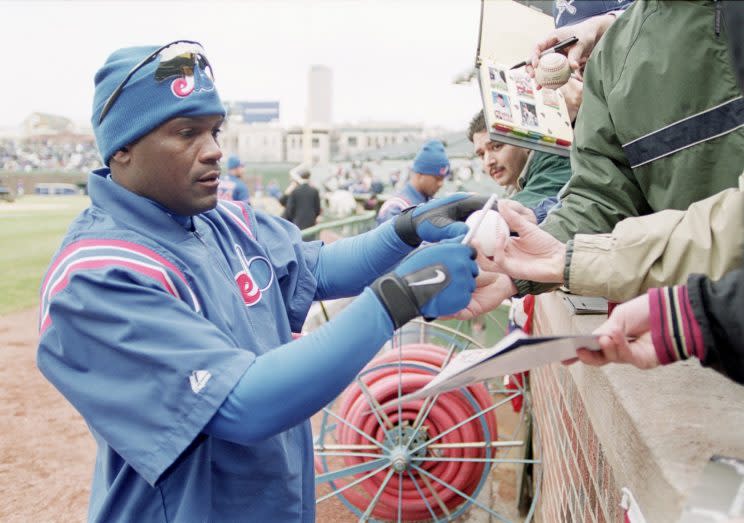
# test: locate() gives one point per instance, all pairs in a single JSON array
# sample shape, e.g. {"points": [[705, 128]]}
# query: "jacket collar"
{"points": [[138, 212]]}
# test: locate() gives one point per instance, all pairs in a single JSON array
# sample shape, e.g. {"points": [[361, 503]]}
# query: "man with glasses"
{"points": [[167, 316]]}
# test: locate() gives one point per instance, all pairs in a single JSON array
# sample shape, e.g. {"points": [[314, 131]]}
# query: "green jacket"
{"points": [[545, 175], [661, 124], [662, 121]]}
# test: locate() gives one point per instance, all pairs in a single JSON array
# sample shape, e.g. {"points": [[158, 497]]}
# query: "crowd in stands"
{"points": [[47, 155]]}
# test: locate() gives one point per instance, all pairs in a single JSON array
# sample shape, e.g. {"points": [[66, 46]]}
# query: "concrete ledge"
{"points": [[657, 428]]}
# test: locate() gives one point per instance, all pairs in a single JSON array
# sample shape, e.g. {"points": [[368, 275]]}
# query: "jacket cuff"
{"points": [[675, 332], [525, 287], [567, 264], [588, 264]]}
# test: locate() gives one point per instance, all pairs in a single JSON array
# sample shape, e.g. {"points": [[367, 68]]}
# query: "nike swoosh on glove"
{"points": [[438, 219], [436, 280]]}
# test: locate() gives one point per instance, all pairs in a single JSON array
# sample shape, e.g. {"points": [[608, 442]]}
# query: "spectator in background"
{"points": [[430, 167], [528, 176], [273, 189], [303, 203], [231, 185]]}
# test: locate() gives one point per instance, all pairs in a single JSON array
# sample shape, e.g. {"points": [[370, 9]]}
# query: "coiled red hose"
{"points": [[381, 378]]}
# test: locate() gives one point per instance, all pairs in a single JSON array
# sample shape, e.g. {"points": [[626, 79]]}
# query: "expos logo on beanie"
{"points": [[432, 159], [140, 88]]}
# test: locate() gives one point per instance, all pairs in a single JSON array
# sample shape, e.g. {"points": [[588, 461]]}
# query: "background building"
{"points": [[319, 96]]}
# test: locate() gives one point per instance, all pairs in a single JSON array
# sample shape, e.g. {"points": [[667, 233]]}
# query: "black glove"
{"points": [[438, 219]]}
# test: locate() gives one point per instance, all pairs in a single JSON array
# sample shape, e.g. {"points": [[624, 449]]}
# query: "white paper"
{"points": [[517, 352]]}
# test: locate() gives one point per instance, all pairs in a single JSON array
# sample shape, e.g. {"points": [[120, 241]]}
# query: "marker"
{"points": [[471, 232], [560, 46]]}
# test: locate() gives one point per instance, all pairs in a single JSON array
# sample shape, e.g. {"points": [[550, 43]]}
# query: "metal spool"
{"points": [[417, 460]]}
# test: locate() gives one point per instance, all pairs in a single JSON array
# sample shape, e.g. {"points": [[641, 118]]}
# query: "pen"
{"points": [[560, 46], [471, 232]]}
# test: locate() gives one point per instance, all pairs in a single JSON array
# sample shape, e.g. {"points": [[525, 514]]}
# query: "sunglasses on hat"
{"points": [[178, 58]]}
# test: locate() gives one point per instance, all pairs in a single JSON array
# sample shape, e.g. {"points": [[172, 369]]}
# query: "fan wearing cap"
{"points": [[166, 315], [430, 167], [231, 185]]}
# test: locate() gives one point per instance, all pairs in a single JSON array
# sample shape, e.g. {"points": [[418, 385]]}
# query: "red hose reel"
{"points": [[406, 447]]}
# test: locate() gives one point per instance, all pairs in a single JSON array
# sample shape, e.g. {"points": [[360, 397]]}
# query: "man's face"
{"points": [[428, 185], [501, 162], [177, 164]]}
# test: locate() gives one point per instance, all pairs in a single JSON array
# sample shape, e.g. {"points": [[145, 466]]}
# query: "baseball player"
{"points": [[167, 315], [231, 186], [430, 167]]}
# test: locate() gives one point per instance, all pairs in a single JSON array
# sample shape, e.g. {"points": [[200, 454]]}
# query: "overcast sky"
{"points": [[392, 60]]}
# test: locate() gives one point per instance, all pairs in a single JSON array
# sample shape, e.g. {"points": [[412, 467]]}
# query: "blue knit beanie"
{"points": [[234, 162], [432, 159], [145, 102]]}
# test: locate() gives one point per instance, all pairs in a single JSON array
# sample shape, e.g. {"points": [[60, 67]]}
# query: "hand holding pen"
{"points": [[587, 33], [557, 48]]}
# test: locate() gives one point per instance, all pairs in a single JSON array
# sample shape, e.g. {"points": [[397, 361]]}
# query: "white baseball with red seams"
{"points": [[491, 229], [553, 71]]}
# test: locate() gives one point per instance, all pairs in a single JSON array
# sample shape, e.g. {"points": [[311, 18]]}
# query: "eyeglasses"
{"points": [[178, 58]]}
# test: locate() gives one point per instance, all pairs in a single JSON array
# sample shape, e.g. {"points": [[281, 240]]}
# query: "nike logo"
{"points": [[198, 380], [439, 277]]}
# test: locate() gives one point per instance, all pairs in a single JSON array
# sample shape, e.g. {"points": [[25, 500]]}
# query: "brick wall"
{"points": [[577, 481]]}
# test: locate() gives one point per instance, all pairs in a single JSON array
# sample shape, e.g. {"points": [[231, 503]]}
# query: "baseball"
{"points": [[553, 71], [491, 229]]}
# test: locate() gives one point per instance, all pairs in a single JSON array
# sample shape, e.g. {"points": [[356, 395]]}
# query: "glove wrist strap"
{"points": [[406, 229], [397, 298]]}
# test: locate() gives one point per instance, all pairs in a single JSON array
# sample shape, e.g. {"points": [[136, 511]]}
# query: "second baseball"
{"points": [[553, 71]]}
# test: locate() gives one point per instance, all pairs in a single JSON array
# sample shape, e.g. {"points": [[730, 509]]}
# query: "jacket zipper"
{"points": [[717, 23]]}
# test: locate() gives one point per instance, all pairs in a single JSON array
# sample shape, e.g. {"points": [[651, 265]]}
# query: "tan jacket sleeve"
{"points": [[660, 249]]}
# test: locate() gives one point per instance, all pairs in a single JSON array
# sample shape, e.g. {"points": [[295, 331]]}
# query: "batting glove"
{"points": [[438, 219], [432, 281]]}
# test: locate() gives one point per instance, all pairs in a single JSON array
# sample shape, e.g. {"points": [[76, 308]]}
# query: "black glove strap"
{"points": [[406, 229], [397, 298]]}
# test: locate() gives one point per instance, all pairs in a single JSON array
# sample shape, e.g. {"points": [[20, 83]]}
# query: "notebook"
{"points": [[517, 112]]}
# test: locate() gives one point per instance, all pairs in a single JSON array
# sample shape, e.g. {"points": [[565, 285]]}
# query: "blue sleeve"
{"points": [[241, 192], [348, 265], [291, 383], [294, 261], [542, 208], [123, 352]]}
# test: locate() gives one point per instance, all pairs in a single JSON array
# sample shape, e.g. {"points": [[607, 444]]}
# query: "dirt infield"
{"points": [[46, 451]]}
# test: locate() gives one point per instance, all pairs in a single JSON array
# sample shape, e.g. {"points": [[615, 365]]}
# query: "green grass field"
{"points": [[31, 229]]}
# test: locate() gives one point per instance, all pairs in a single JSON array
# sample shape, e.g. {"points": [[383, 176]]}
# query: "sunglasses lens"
{"points": [[181, 59]]}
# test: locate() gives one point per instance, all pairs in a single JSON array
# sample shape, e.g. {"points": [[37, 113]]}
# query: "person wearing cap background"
{"points": [[166, 315], [430, 167], [303, 203], [231, 185]]}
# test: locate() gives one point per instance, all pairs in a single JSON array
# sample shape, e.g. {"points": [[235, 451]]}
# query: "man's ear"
{"points": [[121, 156]]}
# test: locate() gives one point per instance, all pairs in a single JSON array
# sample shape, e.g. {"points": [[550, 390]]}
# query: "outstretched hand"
{"points": [[491, 289], [533, 255], [625, 337]]}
